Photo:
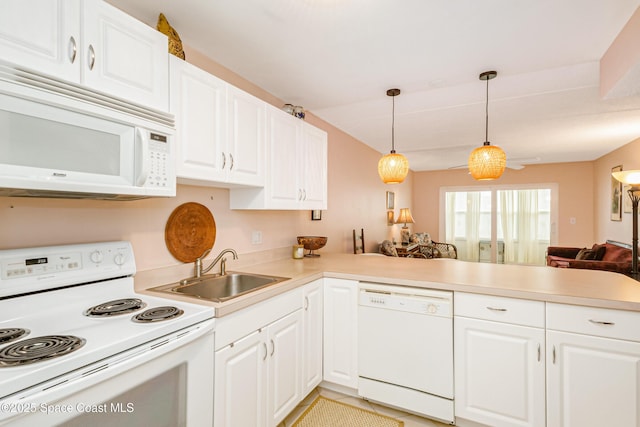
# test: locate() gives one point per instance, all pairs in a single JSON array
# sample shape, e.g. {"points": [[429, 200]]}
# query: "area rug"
{"points": [[325, 412]]}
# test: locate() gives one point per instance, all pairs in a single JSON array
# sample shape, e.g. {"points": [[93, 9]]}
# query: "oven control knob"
{"points": [[96, 257], [119, 259], [432, 308]]}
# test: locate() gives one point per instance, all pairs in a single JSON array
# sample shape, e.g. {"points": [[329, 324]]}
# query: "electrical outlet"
{"points": [[256, 237]]}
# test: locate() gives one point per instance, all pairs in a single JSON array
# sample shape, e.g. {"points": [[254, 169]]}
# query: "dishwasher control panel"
{"points": [[408, 299]]}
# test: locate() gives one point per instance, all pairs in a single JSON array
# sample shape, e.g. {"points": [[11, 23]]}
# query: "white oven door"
{"points": [[165, 383]]}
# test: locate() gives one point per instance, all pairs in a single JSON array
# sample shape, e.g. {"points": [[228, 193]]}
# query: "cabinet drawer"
{"points": [[601, 322], [499, 309], [241, 323]]}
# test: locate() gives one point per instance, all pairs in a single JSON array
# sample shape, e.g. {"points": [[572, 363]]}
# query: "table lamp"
{"points": [[406, 218]]}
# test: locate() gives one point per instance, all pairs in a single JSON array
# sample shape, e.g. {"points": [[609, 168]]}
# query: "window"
{"points": [[517, 222]]}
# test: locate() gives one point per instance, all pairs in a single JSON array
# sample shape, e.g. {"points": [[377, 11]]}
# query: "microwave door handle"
{"points": [[142, 157]]}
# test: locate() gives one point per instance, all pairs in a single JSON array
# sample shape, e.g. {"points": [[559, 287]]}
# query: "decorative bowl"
{"points": [[311, 243]]}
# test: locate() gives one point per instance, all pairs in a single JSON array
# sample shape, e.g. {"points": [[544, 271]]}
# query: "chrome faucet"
{"points": [[198, 271]]}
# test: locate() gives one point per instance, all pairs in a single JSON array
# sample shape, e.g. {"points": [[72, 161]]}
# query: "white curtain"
{"points": [[450, 218], [472, 223], [519, 217], [508, 221]]}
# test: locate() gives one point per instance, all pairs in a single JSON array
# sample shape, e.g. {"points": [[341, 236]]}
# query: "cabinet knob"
{"points": [[73, 49], [92, 57]]}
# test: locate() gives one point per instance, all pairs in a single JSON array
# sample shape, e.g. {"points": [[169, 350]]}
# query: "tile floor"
{"points": [[409, 419]]}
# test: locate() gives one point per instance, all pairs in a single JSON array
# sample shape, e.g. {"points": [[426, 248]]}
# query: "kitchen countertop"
{"points": [[541, 283]]}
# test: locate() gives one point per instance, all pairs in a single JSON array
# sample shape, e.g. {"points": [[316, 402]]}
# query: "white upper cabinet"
{"points": [[283, 191], [43, 35], [124, 57], [220, 129], [246, 137], [313, 163], [90, 43], [198, 101], [296, 175]]}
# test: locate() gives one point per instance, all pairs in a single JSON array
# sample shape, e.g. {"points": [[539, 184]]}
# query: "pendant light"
{"points": [[488, 161], [393, 167]]}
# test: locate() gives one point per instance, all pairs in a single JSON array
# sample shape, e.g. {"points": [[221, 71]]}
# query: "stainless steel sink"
{"points": [[221, 288]]}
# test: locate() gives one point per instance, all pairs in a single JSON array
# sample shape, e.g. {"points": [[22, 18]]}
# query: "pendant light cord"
{"points": [[393, 123], [486, 115]]}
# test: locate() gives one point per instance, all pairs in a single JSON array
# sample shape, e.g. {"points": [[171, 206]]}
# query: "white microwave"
{"points": [[56, 144]]}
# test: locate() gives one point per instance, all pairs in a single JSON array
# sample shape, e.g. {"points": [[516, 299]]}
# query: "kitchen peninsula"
{"points": [[532, 345], [567, 286]]}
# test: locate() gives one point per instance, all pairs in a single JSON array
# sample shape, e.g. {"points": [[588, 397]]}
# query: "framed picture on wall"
{"points": [[389, 217], [626, 200], [391, 200], [616, 196], [316, 215]]}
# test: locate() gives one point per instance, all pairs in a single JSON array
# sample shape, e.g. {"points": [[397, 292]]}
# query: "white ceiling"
{"points": [[337, 58]]}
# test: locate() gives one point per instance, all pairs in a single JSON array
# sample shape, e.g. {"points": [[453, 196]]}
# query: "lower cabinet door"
{"points": [[340, 352], [240, 382], [312, 336], [499, 373], [592, 381], [284, 386]]}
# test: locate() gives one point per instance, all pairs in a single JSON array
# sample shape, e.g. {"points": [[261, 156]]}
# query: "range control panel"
{"points": [[35, 269], [41, 265]]}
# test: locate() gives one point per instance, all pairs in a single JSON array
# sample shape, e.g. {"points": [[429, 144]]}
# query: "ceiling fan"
{"points": [[515, 164], [464, 150]]}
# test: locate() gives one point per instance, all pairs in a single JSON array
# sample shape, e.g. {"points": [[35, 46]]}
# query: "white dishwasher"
{"points": [[405, 348]]}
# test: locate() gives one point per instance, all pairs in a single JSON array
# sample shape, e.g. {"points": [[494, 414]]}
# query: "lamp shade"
{"points": [[628, 177], [393, 168], [405, 217], [487, 162]]}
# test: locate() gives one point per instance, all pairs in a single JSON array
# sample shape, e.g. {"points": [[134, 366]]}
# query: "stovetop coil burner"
{"points": [[115, 307], [157, 314], [11, 334], [38, 349]]}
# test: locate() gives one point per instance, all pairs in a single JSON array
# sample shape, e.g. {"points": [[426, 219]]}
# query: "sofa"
{"points": [[608, 256]]}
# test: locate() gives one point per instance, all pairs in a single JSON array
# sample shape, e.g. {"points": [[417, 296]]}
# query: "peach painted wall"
{"points": [[575, 198], [356, 200], [629, 157]]}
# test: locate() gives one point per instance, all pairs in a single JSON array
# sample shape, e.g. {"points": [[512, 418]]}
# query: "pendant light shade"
{"points": [[393, 167], [488, 161]]}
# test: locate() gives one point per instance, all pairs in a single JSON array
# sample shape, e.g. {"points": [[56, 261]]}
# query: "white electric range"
{"points": [[78, 346]]}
